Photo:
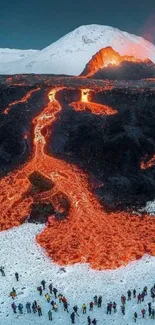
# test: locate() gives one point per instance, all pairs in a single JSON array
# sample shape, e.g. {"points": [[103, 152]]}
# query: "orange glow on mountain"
{"points": [[22, 100], [107, 57], [88, 234]]}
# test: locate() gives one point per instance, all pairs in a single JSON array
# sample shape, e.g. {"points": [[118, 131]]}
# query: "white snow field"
{"points": [[11, 55], [71, 53], [19, 252]]}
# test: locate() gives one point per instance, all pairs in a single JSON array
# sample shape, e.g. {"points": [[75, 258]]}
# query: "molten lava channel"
{"points": [[88, 234]]}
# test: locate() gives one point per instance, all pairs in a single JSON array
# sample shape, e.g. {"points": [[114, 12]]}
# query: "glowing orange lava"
{"points": [[95, 108], [88, 234], [22, 100], [148, 164], [106, 57]]}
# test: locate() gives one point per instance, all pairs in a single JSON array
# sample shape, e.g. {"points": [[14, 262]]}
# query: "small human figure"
{"points": [[40, 290], [72, 317], [129, 294], [65, 304], [94, 321], [139, 298], [109, 308], [39, 310], [114, 307], [2, 270], [28, 307], [89, 320], [143, 311], [145, 290], [84, 308], [134, 293], [123, 309], [51, 288], [55, 307], [20, 308], [47, 296], [49, 315], [99, 302], [55, 292], [95, 300], [123, 300], [152, 313], [149, 308], [43, 282], [17, 276], [91, 305], [135, 317], [34, 307], [75, 308], [60, 297], [14, 307]]}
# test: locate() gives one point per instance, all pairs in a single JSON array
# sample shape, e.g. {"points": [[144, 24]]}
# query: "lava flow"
{"points": [[88, 234], [22, 100], [87, 105], [148, 164]]}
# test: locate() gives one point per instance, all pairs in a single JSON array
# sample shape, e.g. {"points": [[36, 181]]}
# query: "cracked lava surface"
{"points": [[88, 234]]}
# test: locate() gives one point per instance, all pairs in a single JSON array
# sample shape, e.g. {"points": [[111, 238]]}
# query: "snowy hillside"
{"points": [[70, 53], [11, 55]]}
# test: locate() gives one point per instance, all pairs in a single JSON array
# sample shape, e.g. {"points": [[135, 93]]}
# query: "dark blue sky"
{"points": [[38, 23]]}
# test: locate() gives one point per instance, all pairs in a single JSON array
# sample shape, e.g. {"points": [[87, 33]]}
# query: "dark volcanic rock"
{"points": [[40, 183]]}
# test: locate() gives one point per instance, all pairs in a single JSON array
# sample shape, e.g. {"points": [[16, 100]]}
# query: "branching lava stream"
{"points": [[88, 234]]}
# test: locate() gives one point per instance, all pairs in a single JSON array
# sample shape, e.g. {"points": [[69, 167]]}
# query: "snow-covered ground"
{"points": [[71, 53], [19, 252]]}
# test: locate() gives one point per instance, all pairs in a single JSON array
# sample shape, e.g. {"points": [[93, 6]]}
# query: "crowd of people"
{"points": [[55, 299]]}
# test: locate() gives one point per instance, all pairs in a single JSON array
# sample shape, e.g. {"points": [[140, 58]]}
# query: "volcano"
{"points": [[109, 64], [70, 54]]}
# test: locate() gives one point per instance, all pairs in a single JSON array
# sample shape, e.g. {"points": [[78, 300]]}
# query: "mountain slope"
{"points": [[11, 55], [70, 54]]}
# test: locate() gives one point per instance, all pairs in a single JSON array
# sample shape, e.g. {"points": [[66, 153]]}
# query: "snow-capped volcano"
{"points": [[70, 54]]}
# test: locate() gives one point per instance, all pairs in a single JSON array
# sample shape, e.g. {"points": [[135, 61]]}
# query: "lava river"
{"points": [[88, 234]]}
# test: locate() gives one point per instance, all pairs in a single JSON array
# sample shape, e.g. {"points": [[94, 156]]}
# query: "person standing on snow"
{"points": [[39, 310], [51, 288], [143, 311], [75, 308], [94, 321], [114, 306], [84, 308], [28, 307], [99, 302], [14, 307], [135, 317], [2, 270], [43, 282], [149, 308], [91, 305], [49, 315], [89, 320], [72, 316], [129, 294], [47, 296], [66, 306], [40, 290], [95, 300], [55, 292], [20, 308], [139, 298], [17, 276], [134, 293], [123, 309], [123, 300]]}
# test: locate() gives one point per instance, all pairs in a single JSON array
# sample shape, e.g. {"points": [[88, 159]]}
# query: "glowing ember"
{"points": [[148, 164], [88, 234], [84, 95]]}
